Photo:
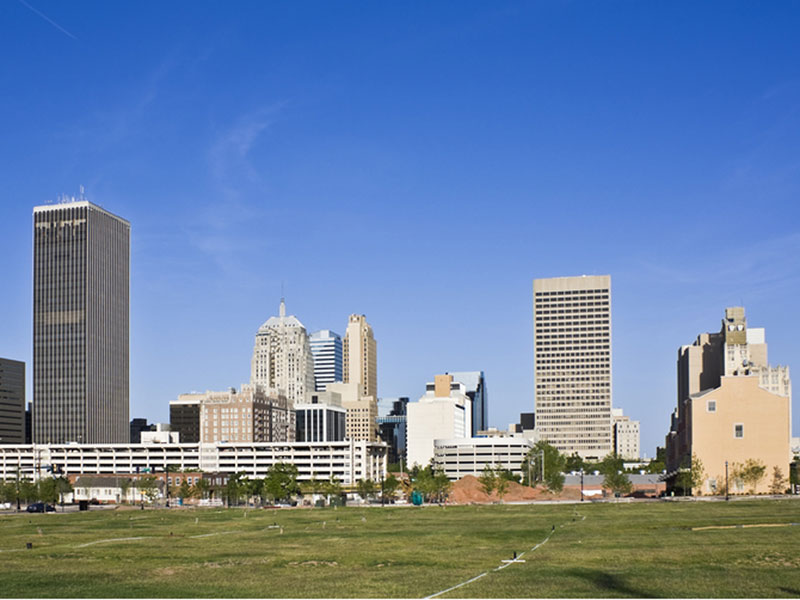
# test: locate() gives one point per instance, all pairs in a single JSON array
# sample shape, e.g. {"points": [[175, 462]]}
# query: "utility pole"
{"points": [[581, 484], [727, 491]]}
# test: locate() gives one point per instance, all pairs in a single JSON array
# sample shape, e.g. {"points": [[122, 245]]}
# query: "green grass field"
{"points": [[596, 550]]}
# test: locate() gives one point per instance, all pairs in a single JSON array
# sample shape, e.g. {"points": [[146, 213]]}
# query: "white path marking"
{"points": [[125, 539], [502, 566], [202, 535]]}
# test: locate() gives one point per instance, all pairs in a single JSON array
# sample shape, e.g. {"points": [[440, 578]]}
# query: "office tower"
{"points": [[732, 406], [326, 350], [362, 412], [321, 419], [81, 258], [184, 417], [392, 426], [282, 358], [137, 426], [442, 413], [475, 384], [249, 415], [572, 353], [12, 401], [360, 356], [626, 435]]}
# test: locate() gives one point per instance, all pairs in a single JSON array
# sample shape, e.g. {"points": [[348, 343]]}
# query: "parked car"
{"points": [[41, 507]]}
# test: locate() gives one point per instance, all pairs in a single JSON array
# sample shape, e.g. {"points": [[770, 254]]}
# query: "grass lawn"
{"points": [[596, 550]]}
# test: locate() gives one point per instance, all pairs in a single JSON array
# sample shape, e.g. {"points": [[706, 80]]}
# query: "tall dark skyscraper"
{"points": [[81, 264]]}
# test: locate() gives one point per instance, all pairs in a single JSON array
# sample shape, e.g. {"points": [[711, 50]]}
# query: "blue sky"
{"points": [[419, 163]]}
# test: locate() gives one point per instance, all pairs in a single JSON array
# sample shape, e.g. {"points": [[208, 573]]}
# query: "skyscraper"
{"points": [[282, 358], [572, 353], [326, 349], [12, 401], [81, 263], [360, 356], [475, 382]]}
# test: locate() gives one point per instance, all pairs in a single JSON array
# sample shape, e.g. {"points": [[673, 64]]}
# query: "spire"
{"points": [[282, 312]]}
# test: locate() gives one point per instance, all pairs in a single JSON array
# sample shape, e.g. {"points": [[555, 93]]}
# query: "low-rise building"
{"points": [[469, 456]]}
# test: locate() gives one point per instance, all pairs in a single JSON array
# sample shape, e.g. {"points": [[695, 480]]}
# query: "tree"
{"points": [[488, 480], [553, 467], [125, 485], [778, 485], [148, 486], [441, 485], [390, 486], [691, 475], [502, 477], [63, 486], [47, 491], [234, 488], [202, 487], [574, 462], [184, 490], [618, 483], [333, 488], [280, 482], [751, 472], [8, 491], [366, 488]]}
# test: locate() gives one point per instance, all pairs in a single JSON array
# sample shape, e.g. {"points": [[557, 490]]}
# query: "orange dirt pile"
{"points": [[468, 490]]}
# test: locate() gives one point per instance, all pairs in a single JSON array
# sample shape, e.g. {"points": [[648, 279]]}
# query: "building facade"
{"points": [[249, 415], [184, 417], [12, 401], [348, 461], [443, 412], [81, 261], [322, 419], [326, 350], [572, 353], [469, 456], [732, 406], [475, 384], [360, 356], [392, 426], [282, 357], [626, 435]]}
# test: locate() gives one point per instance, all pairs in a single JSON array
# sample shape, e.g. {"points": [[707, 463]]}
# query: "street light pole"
{"points": [[581, 484], [727, 491]]}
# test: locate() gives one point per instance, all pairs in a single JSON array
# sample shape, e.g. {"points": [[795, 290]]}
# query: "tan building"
{"points": [[250, 415], [361, 412], [572, 353], [360, 356], [626, 435], [732, 406]]}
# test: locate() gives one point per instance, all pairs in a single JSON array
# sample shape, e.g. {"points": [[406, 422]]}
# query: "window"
{"points": [[711, 406], [738, 430]]}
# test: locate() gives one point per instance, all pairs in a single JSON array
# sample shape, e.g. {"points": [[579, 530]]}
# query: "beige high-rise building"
{"points": [[361, 418], [282, 358], [626, 435], [572, 353], [732, 406], [360, 356]]}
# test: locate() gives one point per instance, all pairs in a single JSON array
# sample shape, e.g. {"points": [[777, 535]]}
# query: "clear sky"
{"points": [[417, 162]]}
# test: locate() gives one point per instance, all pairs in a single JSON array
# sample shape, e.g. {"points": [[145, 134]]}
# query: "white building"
{"points": [[321, 419], [626, 435], [443, 412], [348, 461], [469, 456], [572, 353], [326, 350], [282, 357]]}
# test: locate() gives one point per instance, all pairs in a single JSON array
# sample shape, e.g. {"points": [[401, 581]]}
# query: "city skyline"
{"points": [[544, 140]]}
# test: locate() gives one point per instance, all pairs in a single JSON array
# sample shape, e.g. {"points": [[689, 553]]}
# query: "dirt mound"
{"points": [[468, 490]]}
